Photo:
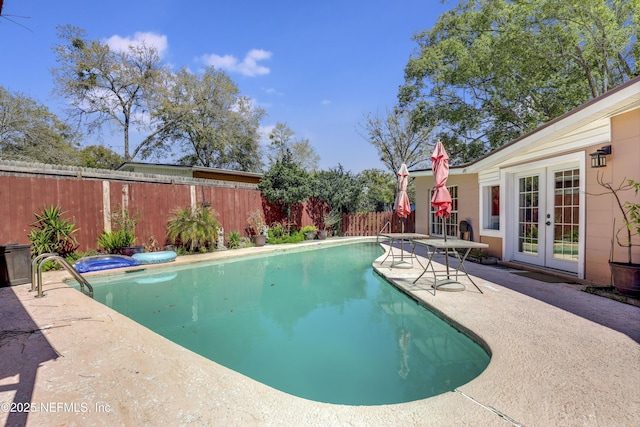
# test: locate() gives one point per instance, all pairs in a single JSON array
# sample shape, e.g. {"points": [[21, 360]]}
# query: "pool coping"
{"points": [[93, 366]]}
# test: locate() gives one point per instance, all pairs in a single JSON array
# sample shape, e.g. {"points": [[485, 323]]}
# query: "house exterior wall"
{"points": [[495, 245], [423, 186], [468, 200], [622, 164]]}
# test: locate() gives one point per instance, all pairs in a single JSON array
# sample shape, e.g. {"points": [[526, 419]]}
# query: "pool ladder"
{"points": [[36, 279]]}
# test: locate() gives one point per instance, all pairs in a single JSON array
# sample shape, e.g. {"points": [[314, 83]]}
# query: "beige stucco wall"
{"points": [[423, 185], [495, 245], [622, 164]]}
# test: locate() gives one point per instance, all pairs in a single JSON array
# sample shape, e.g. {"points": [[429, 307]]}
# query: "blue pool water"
{"points": [[318, 324]]}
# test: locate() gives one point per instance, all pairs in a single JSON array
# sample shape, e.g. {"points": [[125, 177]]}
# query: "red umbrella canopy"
{"points": [[402, 205], [441, 199]]}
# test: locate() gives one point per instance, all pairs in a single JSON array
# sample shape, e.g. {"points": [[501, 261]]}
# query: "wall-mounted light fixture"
{"points": [[599, 159]]}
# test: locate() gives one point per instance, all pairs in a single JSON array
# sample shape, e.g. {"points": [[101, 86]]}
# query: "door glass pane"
{"points": [[528, 215], [566, 226]]}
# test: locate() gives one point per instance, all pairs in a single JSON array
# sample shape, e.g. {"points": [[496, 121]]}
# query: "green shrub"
{"points": [[234, 240], [180, 251], [308, 228], [50, 233], [112, 241], [123, 234], [276, 231], [193, 229], [294, 237]]}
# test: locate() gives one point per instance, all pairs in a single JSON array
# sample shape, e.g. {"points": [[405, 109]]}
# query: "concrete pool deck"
{"points": [[560, 357]]}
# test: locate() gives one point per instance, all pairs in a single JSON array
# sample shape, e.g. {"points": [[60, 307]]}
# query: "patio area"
{"points": [[559, 357]]}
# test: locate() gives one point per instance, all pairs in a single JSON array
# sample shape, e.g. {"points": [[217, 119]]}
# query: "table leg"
{"points": [[461, 265], [402, 263], [413, 253], [390, 251], [431, 254]]}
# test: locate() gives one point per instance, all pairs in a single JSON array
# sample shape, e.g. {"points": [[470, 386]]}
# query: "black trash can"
{"points": [[15, 264]]}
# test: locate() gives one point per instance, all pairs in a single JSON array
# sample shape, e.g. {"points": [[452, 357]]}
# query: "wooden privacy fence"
{"points": [[370, 224], [88, 197]]}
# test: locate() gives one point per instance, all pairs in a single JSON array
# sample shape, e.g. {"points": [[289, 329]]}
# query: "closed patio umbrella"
{"points": [[441, 199], [402, 206]]}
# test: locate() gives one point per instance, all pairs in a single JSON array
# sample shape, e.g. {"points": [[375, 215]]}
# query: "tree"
{"points": [[30, 132], [207, 117], [302, 153], [285, 183], [489, 71], [398, 139], [339, 188], [378, 190], [103, 86], [97, 156]]}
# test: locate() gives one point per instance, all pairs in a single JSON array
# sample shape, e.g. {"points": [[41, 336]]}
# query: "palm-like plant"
{"points": [[52, 233], [193, 228]]}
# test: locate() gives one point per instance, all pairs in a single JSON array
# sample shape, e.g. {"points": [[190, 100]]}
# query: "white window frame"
{"points": [[485, 209], [452, 222]]}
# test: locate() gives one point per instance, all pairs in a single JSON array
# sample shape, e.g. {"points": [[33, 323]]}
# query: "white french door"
{"points": [[547, 226]]}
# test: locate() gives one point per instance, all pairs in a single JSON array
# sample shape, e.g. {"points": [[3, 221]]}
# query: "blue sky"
{"points": [[317, 66]]}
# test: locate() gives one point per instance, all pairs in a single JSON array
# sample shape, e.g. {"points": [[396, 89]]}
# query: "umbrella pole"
{"points": [[402, 242], [446, 250]]}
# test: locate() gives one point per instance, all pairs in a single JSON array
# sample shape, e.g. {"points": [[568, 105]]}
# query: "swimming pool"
{"points": [[319, 324]]}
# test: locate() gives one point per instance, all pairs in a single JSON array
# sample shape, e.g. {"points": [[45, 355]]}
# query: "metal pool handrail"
{"points": [[63, 262], [34, 268]]}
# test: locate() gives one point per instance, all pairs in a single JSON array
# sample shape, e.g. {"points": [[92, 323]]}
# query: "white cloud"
{"points": [[248, 66], [122, 44], [272, 91], [325, 102]]}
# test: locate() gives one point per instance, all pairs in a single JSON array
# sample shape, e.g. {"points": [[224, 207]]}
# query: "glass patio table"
{"points": [[449, 246]]}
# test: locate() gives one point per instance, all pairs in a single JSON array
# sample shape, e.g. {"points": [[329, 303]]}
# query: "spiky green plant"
{"points": [[234, 240], [194, 228], [52, 233], [112, 241]]}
